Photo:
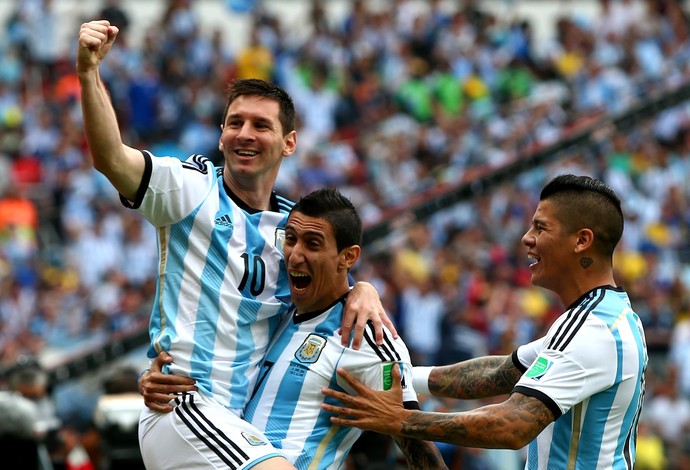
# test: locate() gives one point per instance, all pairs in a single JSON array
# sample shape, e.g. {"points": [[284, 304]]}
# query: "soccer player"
{"points": [[322, 240], [222, 285], [576, 393]]}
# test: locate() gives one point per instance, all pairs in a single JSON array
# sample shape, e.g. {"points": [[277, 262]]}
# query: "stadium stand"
{"points": [[440, 120]]}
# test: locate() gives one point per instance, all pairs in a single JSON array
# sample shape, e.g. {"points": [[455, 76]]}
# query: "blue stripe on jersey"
{"points": [[248, 308], [276, 425], [560, 442], [635, 404], [599, 405], [533, 454], [331, 441], [245, 346], [175, 251], [596, 416], [201, 361], [626, 443]]}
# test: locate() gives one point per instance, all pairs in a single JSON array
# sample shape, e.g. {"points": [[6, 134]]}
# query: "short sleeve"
{"points": [[374, 367], [176, 188], [563, 378]]}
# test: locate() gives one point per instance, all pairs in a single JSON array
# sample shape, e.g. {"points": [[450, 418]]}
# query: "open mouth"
{"points": [[534, 260], [300, 281]]}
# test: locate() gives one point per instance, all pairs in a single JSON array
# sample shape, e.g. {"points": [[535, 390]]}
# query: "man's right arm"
{"points": [[482, 377], [122, 165]]}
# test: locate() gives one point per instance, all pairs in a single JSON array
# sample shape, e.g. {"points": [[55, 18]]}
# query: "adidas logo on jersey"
{"points": [[224, 220]]}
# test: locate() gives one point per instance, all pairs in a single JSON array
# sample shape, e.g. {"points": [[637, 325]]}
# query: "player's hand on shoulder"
{"points": [[364, 306]]}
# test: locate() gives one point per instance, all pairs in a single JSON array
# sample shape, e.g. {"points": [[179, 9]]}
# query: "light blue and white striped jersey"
{"points": [[222, 284], [589, 370], [302, 360]]}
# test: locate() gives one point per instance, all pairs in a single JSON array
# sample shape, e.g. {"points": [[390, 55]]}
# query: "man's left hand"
{"points": [[379, 411]]}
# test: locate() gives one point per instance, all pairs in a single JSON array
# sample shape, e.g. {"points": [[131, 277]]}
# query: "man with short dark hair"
{"points": [[575, 394]]}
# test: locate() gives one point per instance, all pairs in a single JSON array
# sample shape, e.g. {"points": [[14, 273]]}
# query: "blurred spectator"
{"points": [[668, 412], [679, 355], [650, 451], [315, 101], [19, 442], [28, 379], [255, 60], [113, 11], [116, 421], [40, 15], [397, 98]]}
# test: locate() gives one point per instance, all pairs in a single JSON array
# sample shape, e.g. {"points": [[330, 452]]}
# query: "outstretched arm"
{"points": [[508, 425], [122, 165], [482, 377], [364, 305]]}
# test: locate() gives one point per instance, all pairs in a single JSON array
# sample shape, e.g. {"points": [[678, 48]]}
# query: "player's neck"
{"points": [[257, 196], [580, 287], [322, 304]]}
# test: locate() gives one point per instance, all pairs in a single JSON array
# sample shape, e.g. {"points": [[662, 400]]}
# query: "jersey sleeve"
{"points": [[562, 377], [525, 355], [373, 366], [172, 188]]}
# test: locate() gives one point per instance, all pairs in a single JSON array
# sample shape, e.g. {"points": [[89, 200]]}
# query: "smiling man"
{"points": [[576, 393], [222, 287]]}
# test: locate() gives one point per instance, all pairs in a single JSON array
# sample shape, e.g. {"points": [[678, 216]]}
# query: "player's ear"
{"points": [[585, 240], [349, 256], [289, 143]]}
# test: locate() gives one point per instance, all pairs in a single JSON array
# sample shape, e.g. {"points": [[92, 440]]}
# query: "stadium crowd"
{"points": [[392, 102]]}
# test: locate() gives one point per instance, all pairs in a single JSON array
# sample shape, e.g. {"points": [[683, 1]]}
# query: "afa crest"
{"points": [[311, 349]]}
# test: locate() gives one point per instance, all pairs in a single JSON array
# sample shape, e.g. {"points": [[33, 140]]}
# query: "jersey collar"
{"points": [[298, 318], [273, 205]]}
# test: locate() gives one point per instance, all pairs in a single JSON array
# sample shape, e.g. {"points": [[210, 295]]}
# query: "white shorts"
{"points": [[200, 434]]}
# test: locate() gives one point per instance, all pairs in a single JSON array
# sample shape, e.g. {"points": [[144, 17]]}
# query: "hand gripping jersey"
{"points": [[589, 370], [222, 284], [302, 359]]}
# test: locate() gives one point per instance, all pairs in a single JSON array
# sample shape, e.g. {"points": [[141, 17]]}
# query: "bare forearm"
{"points": [[122, 165], [420, 455], [476, 378], [492, 426], [100, 122]]}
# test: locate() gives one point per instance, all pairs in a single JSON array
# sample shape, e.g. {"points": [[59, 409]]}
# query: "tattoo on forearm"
{"points": [[420, 455], [507, 425], [476, 378]]}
